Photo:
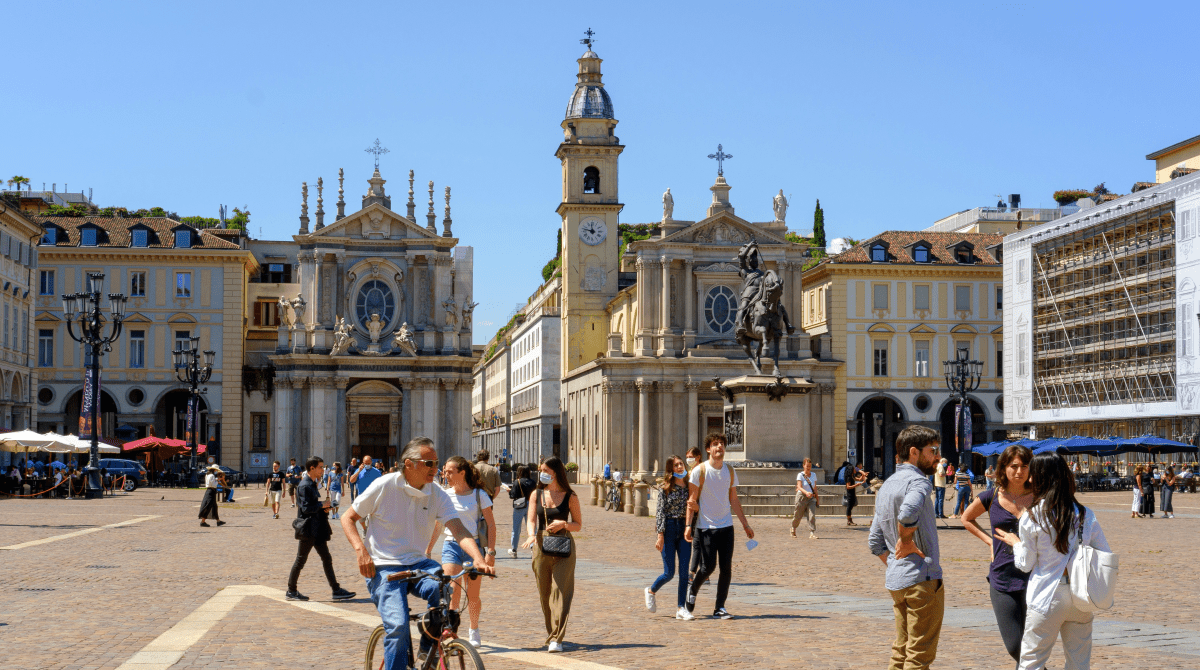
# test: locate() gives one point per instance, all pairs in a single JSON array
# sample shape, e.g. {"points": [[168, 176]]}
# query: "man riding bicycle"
{"points": [[403, 508]]}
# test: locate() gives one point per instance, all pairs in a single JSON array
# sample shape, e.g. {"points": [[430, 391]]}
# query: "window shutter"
{"points": [[258, 313]]}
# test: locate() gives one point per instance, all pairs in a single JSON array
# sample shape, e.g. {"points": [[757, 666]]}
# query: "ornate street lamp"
{"points": [[188, 370], [962, 377], [86, 308]]}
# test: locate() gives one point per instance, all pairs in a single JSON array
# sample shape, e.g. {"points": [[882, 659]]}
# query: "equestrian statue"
{"points": [[761, 316]]}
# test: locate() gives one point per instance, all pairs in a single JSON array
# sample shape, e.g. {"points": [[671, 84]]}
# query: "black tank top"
{"points": [[560, 512]]}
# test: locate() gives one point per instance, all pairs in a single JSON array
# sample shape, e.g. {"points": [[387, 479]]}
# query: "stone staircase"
{"points": [[770, 491]]}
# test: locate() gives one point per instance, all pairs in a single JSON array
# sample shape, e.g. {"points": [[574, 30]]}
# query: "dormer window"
{"points": [[50, 237], [962, 255], [87, 237], [183, 239], [140, 238], [921, 254], [879, 253]]}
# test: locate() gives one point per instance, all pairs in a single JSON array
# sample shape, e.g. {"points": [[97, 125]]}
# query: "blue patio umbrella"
{"points": [[1079, 444], [1152, 444], [1043, 446]]}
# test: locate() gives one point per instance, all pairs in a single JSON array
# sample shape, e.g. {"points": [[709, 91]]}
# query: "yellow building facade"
{"points": [[1176, 160], [892, 309]]}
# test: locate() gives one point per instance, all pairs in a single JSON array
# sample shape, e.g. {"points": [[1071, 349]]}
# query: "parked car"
{"points": [[135, 473]]}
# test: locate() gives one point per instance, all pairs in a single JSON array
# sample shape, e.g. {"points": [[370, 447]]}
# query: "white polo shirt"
{"points": [[401, 518]]}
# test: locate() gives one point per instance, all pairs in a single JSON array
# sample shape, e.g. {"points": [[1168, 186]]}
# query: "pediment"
{"points": [[46, 316], [181, 317], [137, 317], [998, 330], [922, 328], [373, 218], [723, 229], [964, 328], [881, 328]]}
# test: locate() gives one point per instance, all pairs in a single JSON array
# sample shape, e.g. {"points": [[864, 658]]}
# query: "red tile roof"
{"points": [[899, 240], [118, 231]]}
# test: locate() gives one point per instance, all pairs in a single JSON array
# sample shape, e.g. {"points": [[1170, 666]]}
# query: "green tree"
{"points": [[18, 180], [819, 226], [240, 219]]}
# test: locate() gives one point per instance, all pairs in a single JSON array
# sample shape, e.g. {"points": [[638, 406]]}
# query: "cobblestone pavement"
{"points": [[160, 591]]}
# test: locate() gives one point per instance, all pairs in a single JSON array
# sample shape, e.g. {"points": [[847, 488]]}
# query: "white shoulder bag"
{"points": [[1092, 574]]}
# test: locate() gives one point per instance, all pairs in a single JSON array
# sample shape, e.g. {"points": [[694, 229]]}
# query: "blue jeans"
{"points": [[674, 547], [960, 502], [518, 519], [391, 599], [939, 501]]}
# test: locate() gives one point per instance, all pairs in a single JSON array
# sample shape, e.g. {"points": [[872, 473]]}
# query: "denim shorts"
{"points": [[453, 554]]}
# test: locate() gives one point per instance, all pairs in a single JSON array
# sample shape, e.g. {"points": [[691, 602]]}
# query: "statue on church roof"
{"points": [[780, 205], [761, 316], [298, 307], [404, 340], [668, 206], [284, 306], [467, 310], [451, 308], [374, 327], [342, 340]]}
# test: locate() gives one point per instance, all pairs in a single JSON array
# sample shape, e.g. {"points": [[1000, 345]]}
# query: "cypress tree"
{"points": [[819, 226]]}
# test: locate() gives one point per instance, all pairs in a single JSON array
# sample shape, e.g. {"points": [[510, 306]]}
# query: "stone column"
{"points": [[689, 307], [693, 413], [341, 438], [281, 419], [431, 407], [643, 340], [667, 345], [638, 505], [667, 412]]}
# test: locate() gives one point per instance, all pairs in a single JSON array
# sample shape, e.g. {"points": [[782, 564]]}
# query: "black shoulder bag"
{"points": [[553, 545]]}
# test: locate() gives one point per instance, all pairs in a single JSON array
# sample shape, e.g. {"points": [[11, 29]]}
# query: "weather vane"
{"points": [[721, 157], [588, 41], [377, 150]]}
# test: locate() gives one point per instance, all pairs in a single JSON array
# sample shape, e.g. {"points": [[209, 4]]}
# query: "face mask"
{"points": [[545, 478], [679, 475], [691, 462]]}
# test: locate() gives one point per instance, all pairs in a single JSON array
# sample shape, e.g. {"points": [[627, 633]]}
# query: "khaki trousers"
{"points": [[556, 586], [807, 508], [918, 610]]}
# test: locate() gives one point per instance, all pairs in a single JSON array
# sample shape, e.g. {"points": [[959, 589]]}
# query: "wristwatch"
{"points": [[490, 552]]}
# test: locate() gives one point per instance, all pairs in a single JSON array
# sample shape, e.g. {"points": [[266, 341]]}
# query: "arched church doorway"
{"points": [[374, 421], [879, 420], [978, 434]]}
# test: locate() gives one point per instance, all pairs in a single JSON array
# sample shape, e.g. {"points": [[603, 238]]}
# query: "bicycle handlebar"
{"points": [[421, 574]]}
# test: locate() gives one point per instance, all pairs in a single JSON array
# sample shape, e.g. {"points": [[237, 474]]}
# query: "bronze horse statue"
{"points": [[764, 319]]}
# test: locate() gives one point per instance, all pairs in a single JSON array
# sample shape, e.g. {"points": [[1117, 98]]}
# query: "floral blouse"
{"points": [[672, 505]]}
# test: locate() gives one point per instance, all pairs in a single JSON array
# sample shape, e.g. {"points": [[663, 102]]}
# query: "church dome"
{"points": [[590, 102]]}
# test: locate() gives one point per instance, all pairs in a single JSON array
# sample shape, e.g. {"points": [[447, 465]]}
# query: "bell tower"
{"points": [[589, 209]]}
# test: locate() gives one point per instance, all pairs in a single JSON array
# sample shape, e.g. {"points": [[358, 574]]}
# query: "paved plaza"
{"points": [[133, 582]]}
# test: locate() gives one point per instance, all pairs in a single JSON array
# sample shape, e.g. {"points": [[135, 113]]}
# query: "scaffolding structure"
{"points": [[1104, 313]]}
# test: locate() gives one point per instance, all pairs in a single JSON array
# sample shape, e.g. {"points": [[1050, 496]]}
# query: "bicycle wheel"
{"points": [[375, 657], [460, 655]]}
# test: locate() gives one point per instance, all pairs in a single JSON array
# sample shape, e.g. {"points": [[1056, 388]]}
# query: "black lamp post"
{"points": [[189, 371], [86, 307], [962, 377]]}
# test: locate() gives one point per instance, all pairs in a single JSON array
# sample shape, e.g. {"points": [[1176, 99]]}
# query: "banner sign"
{"points": [[91, 378]]}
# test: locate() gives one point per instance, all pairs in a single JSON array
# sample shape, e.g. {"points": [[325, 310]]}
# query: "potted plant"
{"points": [[572, 472]]}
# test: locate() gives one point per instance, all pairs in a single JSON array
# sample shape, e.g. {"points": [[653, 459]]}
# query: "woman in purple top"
{"points": [[1005, 504]]}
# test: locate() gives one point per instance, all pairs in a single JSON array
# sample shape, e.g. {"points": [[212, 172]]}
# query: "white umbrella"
{"points": [[58, 444], [24, 440], [80, 446]]}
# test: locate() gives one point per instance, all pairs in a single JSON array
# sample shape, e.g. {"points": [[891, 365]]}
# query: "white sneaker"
{"points": [[685, 615], [512, 553], [651, 604], [474, 637], [554, 646], [812, 536]]}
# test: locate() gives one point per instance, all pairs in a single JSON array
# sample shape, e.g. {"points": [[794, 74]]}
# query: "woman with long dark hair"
{"points": [[670, 520], [520, 490], [1048, 536], [1168, 490], [1005, 503], [1145, 482], [554, 511]]}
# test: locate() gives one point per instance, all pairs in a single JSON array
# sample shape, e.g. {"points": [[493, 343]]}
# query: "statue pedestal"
{"points": [[763, 425], [449, 343], [299, 339]]}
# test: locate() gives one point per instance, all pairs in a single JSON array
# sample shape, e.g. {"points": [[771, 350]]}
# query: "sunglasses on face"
{"points": [[432, 464]]}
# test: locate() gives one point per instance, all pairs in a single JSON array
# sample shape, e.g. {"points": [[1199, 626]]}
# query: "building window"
{"points": [[921, 364], [1000, 360], [962, 298], [45, 348], [921, 297], [87, 237], [881, 350], [46, 285], [183, 284], [139, 237], [137, 348], [183, 342], [137, 284], [1022, 352], [880, 295], [878, 253], [1022, 277], [963, 255], [999, 298], [921, 254], [591, 180], [183, 239], [266, 313], [720, 309], [375, 297], [6, 328], [278, 273], [51, 236], [259, 432], [922, 403]]}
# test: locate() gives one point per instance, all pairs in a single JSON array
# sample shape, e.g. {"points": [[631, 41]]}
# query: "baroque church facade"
{"points": [[373, 333], [646, 332]]}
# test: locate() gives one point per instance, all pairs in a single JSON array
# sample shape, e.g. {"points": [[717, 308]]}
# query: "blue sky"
{"points": [[893, 115]]}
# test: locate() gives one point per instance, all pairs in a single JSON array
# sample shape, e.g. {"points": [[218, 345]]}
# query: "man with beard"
{"points": [[904, 536]]}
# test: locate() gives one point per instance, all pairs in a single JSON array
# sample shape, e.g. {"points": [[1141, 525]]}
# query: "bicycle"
{"points": [[613, 498], [450, 652]]}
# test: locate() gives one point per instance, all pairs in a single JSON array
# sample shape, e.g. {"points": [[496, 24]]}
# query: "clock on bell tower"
{"points": [[589, 210]]}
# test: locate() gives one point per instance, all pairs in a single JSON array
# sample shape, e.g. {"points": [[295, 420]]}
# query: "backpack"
{"points": [[1092, 574]]}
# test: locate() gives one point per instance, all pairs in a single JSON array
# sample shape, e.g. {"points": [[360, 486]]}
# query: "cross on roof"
{"points": [[588, 41], [721, 157], [377, 150]]}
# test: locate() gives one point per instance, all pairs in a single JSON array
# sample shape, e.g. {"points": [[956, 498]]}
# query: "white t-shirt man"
{"points": [[714, 498], [402, 518], [467, 510]]}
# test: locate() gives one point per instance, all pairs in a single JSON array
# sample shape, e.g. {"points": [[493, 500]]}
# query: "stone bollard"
{"points": [[641, 493], [596, 495], [627, 497]]}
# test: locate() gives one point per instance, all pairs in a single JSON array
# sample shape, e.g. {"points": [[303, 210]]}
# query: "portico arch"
{"points": [[373, 415]]}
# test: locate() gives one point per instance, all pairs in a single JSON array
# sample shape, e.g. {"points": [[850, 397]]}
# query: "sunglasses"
{"points": [[429, 464]]}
